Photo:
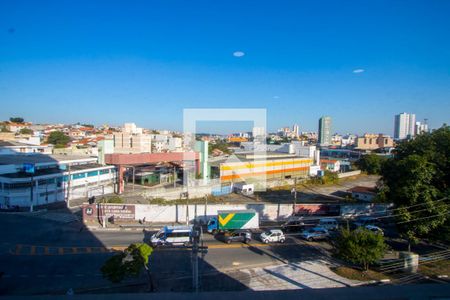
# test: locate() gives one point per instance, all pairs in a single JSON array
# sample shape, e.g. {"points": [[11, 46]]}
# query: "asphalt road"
{"points": [[40, 256]]}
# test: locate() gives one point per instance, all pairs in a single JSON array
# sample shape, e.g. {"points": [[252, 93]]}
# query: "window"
{"points": [[104, 171], [78, 176], [92, 173]]}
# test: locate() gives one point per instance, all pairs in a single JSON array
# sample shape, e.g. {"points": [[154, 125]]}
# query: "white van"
{"points": [[329, 224], [172, 235]]}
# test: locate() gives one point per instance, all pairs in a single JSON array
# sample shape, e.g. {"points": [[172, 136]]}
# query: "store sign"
{"points": [[92, 212]]}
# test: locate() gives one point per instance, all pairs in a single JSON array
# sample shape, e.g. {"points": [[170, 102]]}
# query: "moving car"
{"points": [[235, 236], [273, 235], [316, 233], [172, 235]]}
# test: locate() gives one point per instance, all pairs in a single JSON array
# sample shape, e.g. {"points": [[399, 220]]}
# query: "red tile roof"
{"points": [[363, 189]]}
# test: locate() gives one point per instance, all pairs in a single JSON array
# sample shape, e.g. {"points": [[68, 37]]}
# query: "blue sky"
{"points": [[144, 61]]}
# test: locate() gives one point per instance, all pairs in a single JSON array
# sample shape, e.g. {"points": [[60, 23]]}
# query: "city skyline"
{"points": [[130, 66]]}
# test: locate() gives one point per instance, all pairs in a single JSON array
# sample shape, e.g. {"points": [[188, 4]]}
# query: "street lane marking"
{"points": [[50, 250]]}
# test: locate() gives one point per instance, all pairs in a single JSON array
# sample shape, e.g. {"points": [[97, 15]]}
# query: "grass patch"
{"points": [[355, 274], [434, 269]]}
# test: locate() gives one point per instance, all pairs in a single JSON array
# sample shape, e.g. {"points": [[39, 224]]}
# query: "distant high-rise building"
{"points": [[325, 131], [259, 132], [404, 126], [421, 127], [295, 130]]}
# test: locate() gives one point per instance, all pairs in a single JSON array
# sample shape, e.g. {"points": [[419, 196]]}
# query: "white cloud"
{"points": [[238, 53], [356, 71]]}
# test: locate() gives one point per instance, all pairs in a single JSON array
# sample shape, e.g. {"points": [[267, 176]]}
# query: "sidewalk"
{"points": [[301, 275]]}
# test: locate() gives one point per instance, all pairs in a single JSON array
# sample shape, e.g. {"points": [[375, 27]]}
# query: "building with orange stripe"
{"points": [[265, 167]]}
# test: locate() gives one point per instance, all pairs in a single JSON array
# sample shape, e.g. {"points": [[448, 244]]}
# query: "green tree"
{"points": [[16, 119], [221, 145], [26, 131], [128, 263], [416, 180], [371, 163], [361, 247], [58, 138]]}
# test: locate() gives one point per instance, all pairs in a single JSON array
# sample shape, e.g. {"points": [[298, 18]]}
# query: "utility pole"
{"points": [[32, 193], [174, 177], [197, 248], [294, 192]]}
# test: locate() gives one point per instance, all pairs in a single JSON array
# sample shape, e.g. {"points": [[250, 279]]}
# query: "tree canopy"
{"points": [[26, 131], [417, 181], [361, 247], [220, 145], [16, 119], [58, 138], [371, 163], [128, 263]]}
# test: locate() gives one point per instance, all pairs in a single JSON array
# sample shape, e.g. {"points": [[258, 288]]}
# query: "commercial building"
{"points": [[374, 142], [325, 131], [38, 179], [404, 126], [267, 166], [13, 147]]}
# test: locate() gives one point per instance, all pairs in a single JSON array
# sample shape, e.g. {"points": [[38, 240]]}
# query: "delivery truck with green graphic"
{"points": [[229, 220]]}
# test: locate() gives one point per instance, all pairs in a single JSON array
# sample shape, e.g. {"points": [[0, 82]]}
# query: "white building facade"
{"points": [[404, 126]]}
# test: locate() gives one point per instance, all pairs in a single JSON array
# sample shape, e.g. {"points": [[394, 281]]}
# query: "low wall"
{"points": [[267, 211]]}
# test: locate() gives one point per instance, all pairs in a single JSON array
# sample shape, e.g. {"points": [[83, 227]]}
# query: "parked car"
{"points": [[235, 236], [364, 221], [375, 229], [293, 225], [329, 223], [273, 235], [316, 233]]}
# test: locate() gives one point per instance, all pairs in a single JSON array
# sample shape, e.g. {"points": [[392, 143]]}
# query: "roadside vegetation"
{"points": [[436, 268], [360, 247], [355, 274], [417, 181], [128, 263]]}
